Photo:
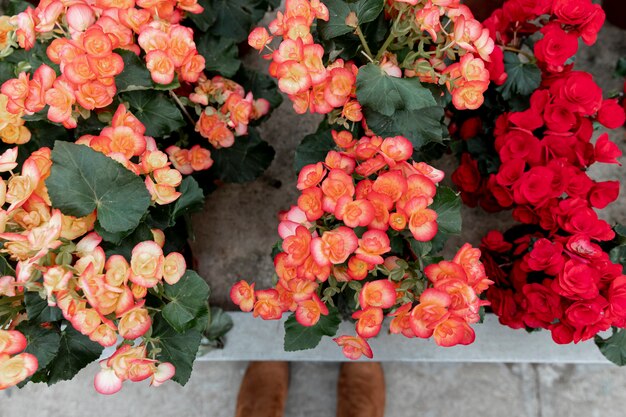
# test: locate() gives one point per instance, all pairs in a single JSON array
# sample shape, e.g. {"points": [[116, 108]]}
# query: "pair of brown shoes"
{"points": [[360, 390]]}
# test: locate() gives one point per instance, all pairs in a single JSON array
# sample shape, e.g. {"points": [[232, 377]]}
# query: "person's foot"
{"points": [[263, 391], [361, 390]]}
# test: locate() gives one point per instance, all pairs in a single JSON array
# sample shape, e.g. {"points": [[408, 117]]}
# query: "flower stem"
{"points": [[519, 51], [383, 49], [364, 43], [182, 107]]}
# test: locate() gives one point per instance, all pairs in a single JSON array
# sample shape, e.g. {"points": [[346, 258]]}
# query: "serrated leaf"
{"points": [[158, 113], [385, 94], [421, 127], [221, 323], [448, 207], [83, 180], [221, 54], [135, 75], [38, 310], [613, 347], [42, 342], [338, 10], [523, 77], [191, 199], [245, 161], [299, 337], [205, 19], [179, 349], [313, 149], [186, 298], [75, 352], [235, 18]]}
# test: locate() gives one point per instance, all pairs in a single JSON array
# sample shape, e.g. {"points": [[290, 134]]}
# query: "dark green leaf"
{"points": [[220, 54], [191, 200], [15, 7], [261, 85], [178, 349], [82, 180], [135, 75], [38, 310], [44, 343], [158, 113], [523, 78], [620, 68], [613, 347], [5, 267], [421, 127], [338, 10], [186, 298], [299, 337], [126, 245], [221, 323], [7, 71], [75, 352], [313, 149], [448, 207], [245, 161], [205, 19], [385, 94], [618, 256], [235, 18]]}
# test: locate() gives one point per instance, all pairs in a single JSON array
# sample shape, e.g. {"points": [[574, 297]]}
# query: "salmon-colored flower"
{"points": [[430, 312], [310, 176], [161, 66], [422, 220], [372, 245], [380, 293], [354, 347], [267, 305], [369, 321], [134, 323], [16, 369], [334, 246], [258, 38], [146, 264], [401, 322], [309, 311], [242, 294]]}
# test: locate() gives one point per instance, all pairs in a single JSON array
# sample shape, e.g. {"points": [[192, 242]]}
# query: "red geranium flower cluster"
{"points": [[561, 22], [545, 152], [351, 205]]}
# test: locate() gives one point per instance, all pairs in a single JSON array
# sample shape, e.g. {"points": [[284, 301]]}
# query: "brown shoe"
{"points": [[361, 390], [263, 391]]}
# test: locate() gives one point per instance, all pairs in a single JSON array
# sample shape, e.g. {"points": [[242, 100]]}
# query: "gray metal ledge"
{"points": [[256, 339]]}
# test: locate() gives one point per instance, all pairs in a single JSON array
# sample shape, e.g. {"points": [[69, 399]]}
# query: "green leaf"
{"points": [[385, 94], [186, 298], [7, 71], [221, 54], [125, 246], [135, 75], [261, 85], [205, 19], [313, 149], [618, 256], [448, 207], [82, 180], [191, 200], [75, 352], [421, 127], [620, 67], [245, 161], [158, 113], [38, 310], [178, 349], [299, 337], [44, 343], [613, 347], [235, 18], [338, 10], [523, 77], [221, 323], [5, 267], [15, 7]]}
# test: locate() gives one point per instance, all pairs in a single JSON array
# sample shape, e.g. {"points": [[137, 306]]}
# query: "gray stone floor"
{"points": [[234, 235], [413, 390]]}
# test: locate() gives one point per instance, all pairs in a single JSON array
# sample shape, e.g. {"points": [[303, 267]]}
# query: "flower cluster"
{"points": [[124, 141], [364, 195], [84, 38], [561, 22], [227, 110], [552, 270], [453, 35], [101, 297], [15, 365], [298, 64]]}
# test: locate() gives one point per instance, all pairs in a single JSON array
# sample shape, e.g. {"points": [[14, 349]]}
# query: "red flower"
{"points": [[611, 114], [542, 305], [603, 193], [577, 281], [546, 256], [467, 177], [556, 47], [578, 89]]}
